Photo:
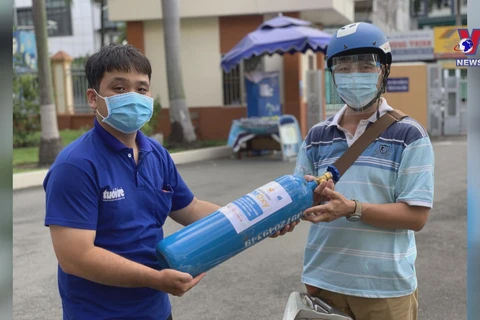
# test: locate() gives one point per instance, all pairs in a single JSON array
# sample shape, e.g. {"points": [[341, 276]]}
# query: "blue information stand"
{"points": [[263, 94]]}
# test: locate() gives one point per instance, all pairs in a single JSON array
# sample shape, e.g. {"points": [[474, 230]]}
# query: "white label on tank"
{"points": [[347, 30], [256, 206]]}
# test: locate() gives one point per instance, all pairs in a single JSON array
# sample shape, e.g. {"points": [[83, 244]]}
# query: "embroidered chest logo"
{"points": [[114, 195], [384, 148]]}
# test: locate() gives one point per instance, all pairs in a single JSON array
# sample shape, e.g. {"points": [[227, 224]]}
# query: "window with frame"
{"points": [[234, 93], [24, 17], [233, 88], [58, 11], [418, 8]]}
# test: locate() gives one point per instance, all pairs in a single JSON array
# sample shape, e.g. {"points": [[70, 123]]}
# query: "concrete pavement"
{"points": [[256, 283], [35, 178]]}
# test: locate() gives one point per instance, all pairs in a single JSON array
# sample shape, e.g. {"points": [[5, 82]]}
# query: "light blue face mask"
{"points": [[357, 89], [127, 112]]}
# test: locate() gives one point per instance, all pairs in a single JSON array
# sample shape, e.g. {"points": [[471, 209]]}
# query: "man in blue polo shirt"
{"points": [[360, 253], [108, 195]]}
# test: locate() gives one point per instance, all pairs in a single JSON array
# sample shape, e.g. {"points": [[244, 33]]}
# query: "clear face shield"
{"points": [[357, 81]]}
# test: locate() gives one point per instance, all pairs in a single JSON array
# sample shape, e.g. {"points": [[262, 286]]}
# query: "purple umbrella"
{"points": [[278, 35]]}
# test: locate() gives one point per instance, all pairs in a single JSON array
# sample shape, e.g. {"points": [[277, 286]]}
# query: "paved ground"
{"points": [[256, 283]]}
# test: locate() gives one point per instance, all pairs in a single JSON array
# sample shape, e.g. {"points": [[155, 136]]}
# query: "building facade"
{"points": [[209, 29], [433, 13], [388, 15], [73, 26]]}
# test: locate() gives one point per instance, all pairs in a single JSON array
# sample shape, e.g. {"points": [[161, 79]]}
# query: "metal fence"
{"points": [[79, 83], [232, 87], [80, 86]]}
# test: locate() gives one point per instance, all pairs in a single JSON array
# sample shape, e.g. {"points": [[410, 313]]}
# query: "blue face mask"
{"points": [[357, 89], [127, 112]]}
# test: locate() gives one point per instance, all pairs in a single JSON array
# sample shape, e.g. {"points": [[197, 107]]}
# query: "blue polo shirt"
{"points": [[95, 184]]}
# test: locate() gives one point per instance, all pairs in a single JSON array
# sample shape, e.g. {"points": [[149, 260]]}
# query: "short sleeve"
{"points": [[415, 178], [182, 195], [304, 165], [71, 197]]}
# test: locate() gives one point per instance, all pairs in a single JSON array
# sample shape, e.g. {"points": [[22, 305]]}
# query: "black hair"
{"points": [[115, 57]]}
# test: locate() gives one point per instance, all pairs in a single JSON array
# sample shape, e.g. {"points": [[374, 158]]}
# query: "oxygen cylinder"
{"points": [[237, 226]]}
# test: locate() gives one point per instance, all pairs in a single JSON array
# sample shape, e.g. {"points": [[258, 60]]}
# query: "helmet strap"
{"points": [[385, 77]]}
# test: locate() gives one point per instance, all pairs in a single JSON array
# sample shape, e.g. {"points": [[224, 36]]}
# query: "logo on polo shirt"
{"points": [[114, 195], [384, 148]]}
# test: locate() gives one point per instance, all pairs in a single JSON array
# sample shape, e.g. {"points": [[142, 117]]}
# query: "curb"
{"points": [[32, 179], [202, 154]]}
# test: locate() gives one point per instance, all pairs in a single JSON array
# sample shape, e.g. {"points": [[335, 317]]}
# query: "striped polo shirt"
{"points": [[356, 258]]}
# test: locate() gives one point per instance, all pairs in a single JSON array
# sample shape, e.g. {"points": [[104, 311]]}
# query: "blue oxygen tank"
{"points": [[237, 226]]}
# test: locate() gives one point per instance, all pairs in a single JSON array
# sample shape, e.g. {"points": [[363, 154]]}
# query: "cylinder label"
{"points": [[256, 205], [266, 233]]}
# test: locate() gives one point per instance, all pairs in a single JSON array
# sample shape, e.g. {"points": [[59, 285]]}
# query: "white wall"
{"points": [[304, 68], [22, 3], [125, 10], [391, 15], [200, 54], [403, 16]]}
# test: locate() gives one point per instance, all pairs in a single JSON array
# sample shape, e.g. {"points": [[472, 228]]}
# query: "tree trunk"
{"points": [[182, 132], [50, 141]]}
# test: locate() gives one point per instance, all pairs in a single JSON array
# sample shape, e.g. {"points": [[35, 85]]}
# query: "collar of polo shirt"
{"points": [[383, 108], [115, 144]]}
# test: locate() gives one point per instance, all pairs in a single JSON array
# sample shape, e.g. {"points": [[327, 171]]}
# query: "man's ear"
{"points": [[92, 98]]}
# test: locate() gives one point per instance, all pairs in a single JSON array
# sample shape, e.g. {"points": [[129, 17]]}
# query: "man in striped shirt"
{"points": [[360, 254]]}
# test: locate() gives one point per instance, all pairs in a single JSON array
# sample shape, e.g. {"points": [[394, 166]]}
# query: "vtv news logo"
{"points": [[468, 45]]}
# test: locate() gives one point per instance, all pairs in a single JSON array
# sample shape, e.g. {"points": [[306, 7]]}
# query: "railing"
{"points": [[80, 86], [79, 83]]}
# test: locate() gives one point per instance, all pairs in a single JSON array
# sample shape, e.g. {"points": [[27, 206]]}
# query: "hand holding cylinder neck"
{"points": [[331, 173], [324, 178], [318, 184]]}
